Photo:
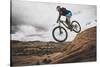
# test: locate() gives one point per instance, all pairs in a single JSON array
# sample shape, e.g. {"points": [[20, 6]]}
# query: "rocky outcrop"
{"points": [[82, 48]]}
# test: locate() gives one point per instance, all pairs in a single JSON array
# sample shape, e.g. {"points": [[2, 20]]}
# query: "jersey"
{"points": [[63, 11]]}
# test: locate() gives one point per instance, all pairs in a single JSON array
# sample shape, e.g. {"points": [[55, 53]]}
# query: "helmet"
{"points": [[58, 8]]}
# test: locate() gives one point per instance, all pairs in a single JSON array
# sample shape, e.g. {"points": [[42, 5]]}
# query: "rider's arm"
{"points": [[59, 17]]}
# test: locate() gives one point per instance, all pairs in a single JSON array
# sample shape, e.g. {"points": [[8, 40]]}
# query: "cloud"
{"points": [[33, 35], [36, 20], [40, 28], [24, 15], [28, 28], [13, 29]]}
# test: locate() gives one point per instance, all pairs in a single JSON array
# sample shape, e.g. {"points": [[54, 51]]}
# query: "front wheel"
{"points": [[76, 26], [59, 34]]}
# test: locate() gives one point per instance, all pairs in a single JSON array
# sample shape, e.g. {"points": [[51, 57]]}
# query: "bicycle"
{"points": [[61, 31]]}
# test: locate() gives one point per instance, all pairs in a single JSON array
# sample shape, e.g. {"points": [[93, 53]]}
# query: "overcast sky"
{"points": [[35, 20]]}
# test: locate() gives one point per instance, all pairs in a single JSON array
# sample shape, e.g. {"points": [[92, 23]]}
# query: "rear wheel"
{"points": [[59, 34], [76, 26]]}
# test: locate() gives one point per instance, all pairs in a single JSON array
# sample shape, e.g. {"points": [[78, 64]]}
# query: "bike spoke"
{"points": [[76, 27], [60, 34]]}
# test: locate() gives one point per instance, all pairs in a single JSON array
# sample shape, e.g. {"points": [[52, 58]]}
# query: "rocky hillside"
{"points": [[82, 48]]}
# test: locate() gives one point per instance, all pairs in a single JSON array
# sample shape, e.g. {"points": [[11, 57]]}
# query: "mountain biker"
{"points": [[64, 12]]}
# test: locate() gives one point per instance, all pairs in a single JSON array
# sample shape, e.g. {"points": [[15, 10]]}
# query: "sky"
{"points": [[35, 20]]}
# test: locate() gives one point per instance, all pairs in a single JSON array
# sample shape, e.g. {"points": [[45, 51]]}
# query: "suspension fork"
{"points": [[60, 28]]}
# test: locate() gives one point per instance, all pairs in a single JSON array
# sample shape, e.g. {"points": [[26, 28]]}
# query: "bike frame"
{"points": [[62, 23]]}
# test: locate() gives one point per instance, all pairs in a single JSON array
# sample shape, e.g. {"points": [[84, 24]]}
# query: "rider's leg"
{"points": [[68, 20]]}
